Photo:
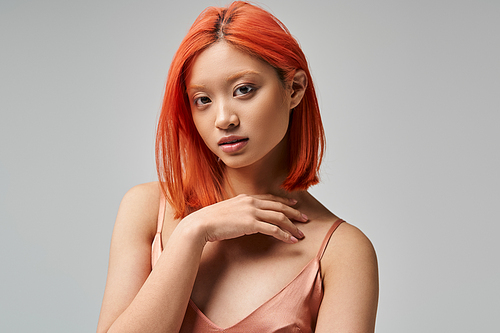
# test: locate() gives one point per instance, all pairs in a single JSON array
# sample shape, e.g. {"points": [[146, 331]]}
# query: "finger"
{"points": [[270, 197], [290, 212], [276, 232], [280, 220], [271, 202]]}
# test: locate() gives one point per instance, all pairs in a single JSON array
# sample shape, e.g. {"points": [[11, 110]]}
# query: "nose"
{"points": [[226, 118]]}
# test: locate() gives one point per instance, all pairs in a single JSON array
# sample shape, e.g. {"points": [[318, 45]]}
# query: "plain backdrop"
{"points": [[410, 97]]}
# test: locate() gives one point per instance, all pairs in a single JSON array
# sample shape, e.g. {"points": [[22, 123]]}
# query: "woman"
{"points": [[236, 242]]}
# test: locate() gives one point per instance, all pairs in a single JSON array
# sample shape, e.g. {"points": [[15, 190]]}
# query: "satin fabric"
{"points": [[293, 309]]}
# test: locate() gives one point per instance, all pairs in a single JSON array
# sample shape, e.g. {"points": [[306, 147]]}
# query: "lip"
{"points": [[227, 139], [232, 143]]}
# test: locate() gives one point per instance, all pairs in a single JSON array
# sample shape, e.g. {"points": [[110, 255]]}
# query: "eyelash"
{"points": [[199, 100], [249, 87]]}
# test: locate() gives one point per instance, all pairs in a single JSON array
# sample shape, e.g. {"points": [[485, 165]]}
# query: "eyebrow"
{"points": [[195, 87], [237, 75], [230, 78]]}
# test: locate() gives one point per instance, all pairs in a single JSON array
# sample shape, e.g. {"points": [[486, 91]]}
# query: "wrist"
{"points": [[190, 230]]}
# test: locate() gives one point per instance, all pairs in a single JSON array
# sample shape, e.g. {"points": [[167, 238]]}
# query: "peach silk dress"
{"points": [[293, 309]]}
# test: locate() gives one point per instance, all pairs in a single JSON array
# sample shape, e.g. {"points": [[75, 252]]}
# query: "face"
{"points": [[239, 106]]}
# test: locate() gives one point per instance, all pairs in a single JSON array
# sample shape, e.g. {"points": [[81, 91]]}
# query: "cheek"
{"points": [[277, 118], [271, 126], [197, 125], [198, 120], [274, 111], [202, 128]]}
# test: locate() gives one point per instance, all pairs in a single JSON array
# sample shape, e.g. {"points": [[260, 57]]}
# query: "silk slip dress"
{"points": [[293, 309]]}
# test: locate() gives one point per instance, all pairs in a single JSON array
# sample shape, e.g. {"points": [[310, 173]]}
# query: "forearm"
{"points": [[160, 304], [160, 298]]}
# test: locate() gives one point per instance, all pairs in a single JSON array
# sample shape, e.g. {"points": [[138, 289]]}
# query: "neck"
{"points": [[253, 181], [262, 177]]}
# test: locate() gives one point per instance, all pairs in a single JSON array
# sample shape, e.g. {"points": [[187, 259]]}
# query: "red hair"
{"points": [[189, 172]]}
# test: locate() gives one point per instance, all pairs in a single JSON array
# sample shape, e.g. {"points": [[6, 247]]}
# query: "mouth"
{"points": [[232, 144], [231, 140]]}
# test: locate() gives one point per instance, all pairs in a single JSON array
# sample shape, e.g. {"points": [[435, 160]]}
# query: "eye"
{"points": [[201, 101], [243, 90]]}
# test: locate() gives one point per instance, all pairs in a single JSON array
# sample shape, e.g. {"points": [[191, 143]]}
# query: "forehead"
{"points": [[224, 61]]}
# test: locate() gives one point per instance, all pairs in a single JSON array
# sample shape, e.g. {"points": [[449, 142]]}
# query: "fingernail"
{"points": [[293, 201], [300, 233], [304, 216], [293, 239]]}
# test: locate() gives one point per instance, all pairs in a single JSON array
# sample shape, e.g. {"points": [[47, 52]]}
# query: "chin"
{"points": [[242, 161], [230, 163]]}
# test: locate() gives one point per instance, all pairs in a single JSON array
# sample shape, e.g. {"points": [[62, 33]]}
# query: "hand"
{"points": [[246, 215]]}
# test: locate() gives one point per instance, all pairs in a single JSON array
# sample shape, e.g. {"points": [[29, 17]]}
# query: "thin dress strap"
{"points": [[157, 247], [327, 238]]}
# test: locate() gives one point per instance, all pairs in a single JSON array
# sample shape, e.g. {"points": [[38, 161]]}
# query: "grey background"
{"points": [[410, 96]]}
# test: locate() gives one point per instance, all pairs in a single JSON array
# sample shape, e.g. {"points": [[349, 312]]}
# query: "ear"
{"points": [[299, 86]]}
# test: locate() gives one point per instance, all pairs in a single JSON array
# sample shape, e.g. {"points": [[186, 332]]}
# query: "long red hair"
{"points": [[189, 173]]}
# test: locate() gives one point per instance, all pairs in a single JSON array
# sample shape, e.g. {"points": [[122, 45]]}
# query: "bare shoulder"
{"points": [[349, 248], [139, 206], [130, 252], [350, 278], [348, 241], [145, 197]]}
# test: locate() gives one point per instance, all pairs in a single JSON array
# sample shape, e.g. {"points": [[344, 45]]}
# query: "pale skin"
{"points": [[242, 262]]}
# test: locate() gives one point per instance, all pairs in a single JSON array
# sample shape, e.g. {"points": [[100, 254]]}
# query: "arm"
{"points": [[134, 299], [137, 299], [350, 283]]}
